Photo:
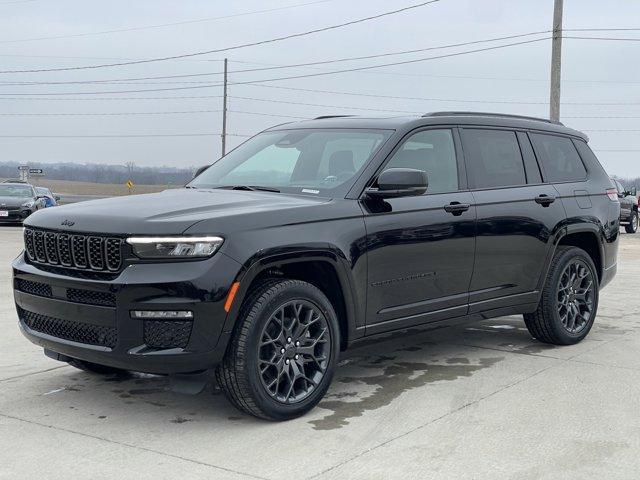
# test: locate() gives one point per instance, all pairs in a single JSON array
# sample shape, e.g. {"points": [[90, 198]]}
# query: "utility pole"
{"points": [[556, 62], [224, 111]]}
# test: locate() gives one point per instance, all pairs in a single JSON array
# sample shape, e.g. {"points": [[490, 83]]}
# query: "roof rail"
{"points": [[488, 114], [322, 117]]}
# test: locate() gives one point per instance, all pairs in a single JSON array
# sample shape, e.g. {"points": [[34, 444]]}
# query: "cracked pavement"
{"points": [[474, 401]]}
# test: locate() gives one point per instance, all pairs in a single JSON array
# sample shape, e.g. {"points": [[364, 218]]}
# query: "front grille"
{"points": [[91, 297], [167, 334], [69, 330], [34, 288], [82, 252]]}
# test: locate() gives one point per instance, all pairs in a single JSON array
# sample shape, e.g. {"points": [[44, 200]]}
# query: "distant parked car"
{"points": [[18, 201], [50, 199], [628, 207]]}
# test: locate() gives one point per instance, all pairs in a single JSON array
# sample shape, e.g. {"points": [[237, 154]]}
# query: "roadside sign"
{"points": [[37, 172], [23, 167], [130, 184]]}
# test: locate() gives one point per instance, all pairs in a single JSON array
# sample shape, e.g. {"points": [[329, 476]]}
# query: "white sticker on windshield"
{"points": [[307, 190]]}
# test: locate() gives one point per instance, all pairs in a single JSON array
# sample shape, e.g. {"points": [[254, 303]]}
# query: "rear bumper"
{"points": [[91, 319]]}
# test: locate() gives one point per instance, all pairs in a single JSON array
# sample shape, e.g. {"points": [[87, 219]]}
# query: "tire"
{"points": [[548, 323], [95, 367], [252, 373], [632, 227]]}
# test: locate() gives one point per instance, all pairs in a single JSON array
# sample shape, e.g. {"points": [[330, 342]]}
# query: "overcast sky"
{"points": [[594, 72]]}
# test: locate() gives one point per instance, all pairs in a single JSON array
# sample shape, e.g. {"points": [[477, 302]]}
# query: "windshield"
{"points": [[43, 191], [308, 161], [15, 191]]}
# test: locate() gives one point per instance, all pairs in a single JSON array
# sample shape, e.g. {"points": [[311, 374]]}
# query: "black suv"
{"points": [[313, 235], [628, 207], [18, 200]]}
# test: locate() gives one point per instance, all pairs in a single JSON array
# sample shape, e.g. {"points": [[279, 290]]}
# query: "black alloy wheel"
{"points": [[294, 351], [569, 302], [284, 350], [575, 296]]}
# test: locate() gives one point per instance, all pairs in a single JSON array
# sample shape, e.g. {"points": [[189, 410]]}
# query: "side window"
{"points": [[493, 158], [559, 157], [432, 151]]}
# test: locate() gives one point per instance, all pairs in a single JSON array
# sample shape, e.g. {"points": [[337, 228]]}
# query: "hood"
{"points": [[168, 212], [14, 201]]}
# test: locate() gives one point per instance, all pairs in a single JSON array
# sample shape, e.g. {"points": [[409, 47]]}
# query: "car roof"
{"points": [[434, 118]]}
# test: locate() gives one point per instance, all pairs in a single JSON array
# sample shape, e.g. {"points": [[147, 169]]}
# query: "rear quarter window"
{"points": [[559, 158]]}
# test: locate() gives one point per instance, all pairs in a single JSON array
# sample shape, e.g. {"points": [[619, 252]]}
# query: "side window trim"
{"points": [[457, 144], [529, 158]]}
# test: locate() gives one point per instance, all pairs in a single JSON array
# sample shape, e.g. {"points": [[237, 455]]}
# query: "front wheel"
{"points": [[569, 301], [281, 359], [632, 227]]}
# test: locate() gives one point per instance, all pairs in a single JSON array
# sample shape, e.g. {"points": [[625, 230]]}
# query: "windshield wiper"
{"points": [[251, 188]]}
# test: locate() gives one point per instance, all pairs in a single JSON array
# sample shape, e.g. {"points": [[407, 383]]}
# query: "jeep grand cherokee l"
{"points": [[313, 235]]}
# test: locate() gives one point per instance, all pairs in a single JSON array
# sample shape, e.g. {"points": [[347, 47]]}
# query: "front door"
{"points": [[420, 250]]}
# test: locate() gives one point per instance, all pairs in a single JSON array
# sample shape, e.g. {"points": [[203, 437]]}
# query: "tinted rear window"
{"points": [[559, 157], [493, 158]]}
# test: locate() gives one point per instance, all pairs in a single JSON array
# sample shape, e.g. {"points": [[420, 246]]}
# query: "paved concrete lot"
{"points": [[480, 401]]}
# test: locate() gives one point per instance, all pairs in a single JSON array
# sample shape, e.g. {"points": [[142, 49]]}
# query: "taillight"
{"points": [[612, 193]]}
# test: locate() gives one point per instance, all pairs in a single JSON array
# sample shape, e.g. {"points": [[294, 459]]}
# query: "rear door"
{"points": [[516, 216], [420, 249]]}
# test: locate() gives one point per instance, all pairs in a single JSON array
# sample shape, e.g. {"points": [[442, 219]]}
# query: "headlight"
{"points": [[28, 204], [174, 247]]}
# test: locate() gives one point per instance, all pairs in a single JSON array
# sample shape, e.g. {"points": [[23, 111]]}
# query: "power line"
{"points": [[148, 27], [288, 102], [236, 47], [279, 67], [118, 114], [143, 135], [333, 72]]}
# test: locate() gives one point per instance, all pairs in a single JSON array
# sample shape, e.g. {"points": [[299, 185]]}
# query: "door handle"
{"points": [[456, 208], [545, 200]]}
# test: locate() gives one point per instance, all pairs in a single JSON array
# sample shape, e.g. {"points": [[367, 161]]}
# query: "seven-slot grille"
{"points": [[84, 252]]}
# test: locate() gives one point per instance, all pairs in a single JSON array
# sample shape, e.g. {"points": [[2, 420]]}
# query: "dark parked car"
{"points": [[628, 207], [50, 199], [314, 235], [18, 201]]}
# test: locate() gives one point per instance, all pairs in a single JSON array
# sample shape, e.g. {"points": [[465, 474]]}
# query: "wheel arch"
{"points": [[322, 268], [588, 238]]}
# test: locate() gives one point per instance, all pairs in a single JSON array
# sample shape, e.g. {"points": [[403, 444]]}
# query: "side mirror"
{"points": [[400, 182], [200, 170]]}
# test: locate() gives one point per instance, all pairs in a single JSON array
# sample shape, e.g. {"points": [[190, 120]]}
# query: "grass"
{"points": [[99, 189]]}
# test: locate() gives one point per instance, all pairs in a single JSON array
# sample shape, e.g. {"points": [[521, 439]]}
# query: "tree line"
{"points": [[104, 173]]}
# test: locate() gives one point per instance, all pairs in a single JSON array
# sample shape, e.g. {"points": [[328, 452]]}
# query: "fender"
{"points": [[569, 227], [261, 262]]}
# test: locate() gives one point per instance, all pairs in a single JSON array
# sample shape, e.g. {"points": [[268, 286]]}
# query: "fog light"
{"points": [[163, 314]]}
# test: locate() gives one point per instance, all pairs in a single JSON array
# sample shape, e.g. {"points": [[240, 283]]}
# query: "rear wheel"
{"points": [[632, 227], [569, 302], [94, 367], [282, 356]]}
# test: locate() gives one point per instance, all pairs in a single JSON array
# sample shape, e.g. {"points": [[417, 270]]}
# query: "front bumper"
{"points": [[90, 319], [16, 216]]}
